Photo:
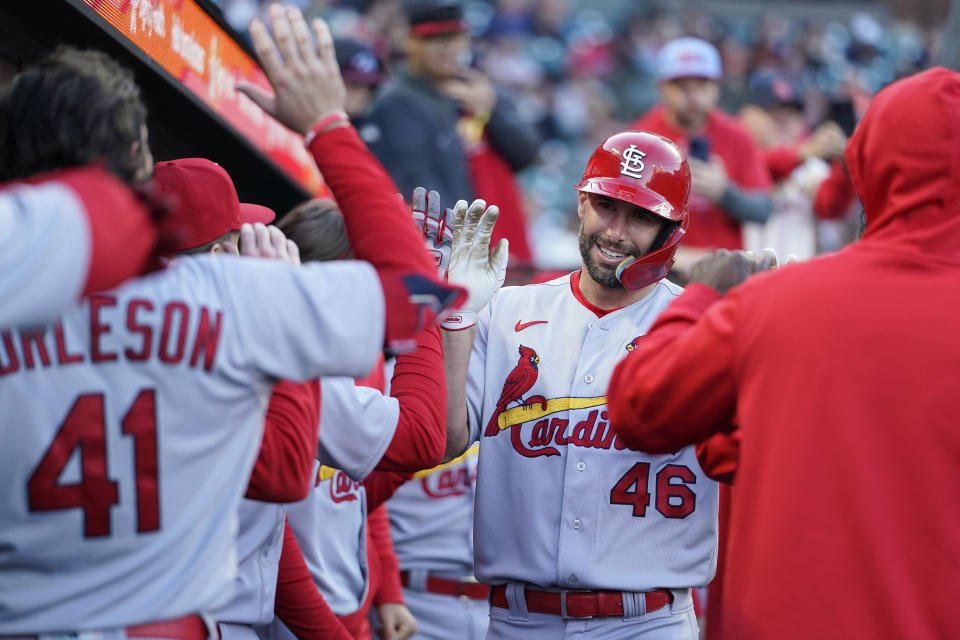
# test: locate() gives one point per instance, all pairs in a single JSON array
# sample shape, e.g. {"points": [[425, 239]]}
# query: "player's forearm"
{"points": [[377, 221], [420, 439], [378, 225], [381, 485], [284, 465], [457, 346]]}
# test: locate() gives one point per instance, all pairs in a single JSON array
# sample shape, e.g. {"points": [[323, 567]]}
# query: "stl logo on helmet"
{"points": [[632, 165]]}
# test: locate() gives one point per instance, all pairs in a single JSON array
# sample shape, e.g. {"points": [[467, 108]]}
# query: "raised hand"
{"points": [[436, 224], [305, 77], [723, 269], [472, 266], [260, 241]]}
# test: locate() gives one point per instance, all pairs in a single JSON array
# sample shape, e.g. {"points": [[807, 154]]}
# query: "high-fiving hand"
{"points": [[722, 270], [304, 75], [436, 224], [472, 266]]}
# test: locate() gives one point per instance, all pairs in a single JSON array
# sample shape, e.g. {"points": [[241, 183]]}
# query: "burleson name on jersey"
{"points": [[149, 332]]}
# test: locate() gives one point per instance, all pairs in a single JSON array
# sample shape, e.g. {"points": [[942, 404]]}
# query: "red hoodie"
{"points": [[843, 374]]}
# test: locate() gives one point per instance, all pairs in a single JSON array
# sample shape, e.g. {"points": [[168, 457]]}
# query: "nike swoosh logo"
{"points": [[523, 325]]}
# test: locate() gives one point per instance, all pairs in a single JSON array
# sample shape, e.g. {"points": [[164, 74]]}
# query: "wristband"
{"points": [[459, 320], [326, 123]]}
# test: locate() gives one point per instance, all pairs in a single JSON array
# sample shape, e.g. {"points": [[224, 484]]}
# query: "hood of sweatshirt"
{"points": [[904, 161]]}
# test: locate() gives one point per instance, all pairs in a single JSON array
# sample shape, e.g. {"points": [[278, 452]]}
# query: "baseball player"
{"points": [[71, 215], [122, 487], [575, 531], [285, 460], [370, 443], [72, 109], [431, 522], [841, 372], [341, 525]]}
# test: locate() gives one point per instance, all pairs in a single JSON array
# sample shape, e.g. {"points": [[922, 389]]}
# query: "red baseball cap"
{"points": [[207, 205]]}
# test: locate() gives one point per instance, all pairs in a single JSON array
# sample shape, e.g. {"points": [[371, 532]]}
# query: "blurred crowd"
{"points": [[581, 71]]}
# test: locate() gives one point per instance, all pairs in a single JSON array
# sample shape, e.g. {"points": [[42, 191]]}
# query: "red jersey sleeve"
{"points": [[677, 387], [389, 588], [298, 603], [284, 466]]}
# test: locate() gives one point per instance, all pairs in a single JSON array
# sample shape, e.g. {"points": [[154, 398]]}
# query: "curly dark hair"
{"points": [[75, 107]]}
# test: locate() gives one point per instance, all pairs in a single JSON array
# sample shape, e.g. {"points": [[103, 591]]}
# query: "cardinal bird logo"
{"points": [[634, 343], [520, 380]]}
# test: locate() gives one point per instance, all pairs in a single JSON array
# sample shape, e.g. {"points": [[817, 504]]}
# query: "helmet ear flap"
{"points": [[665, 231]]}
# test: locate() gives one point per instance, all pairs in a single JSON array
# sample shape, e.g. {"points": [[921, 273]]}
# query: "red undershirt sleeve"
{"points": [[389, 588], [298, 603], [378, 222], [284, 466], [419, 386], [380, 485], [380, 232]]}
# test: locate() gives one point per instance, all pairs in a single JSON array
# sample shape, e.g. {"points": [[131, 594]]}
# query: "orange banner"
{"points": [[198, 53]]}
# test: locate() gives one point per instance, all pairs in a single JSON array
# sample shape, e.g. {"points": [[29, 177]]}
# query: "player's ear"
{"points": [[581, 199], [217, 248]]}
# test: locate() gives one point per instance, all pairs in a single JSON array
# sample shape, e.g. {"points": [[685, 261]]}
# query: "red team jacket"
{"points": [[842, 373]]}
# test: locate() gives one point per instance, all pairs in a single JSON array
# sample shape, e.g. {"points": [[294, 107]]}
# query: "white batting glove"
{"points": [[472, 266]]}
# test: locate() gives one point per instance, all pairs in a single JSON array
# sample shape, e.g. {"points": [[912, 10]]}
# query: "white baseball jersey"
{"points": [[431, 518], [132, 425], [44, 252], [561, 502], [356, 427]]}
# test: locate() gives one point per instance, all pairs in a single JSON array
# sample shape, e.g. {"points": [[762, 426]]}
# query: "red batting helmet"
{"points": [[651, 172]]}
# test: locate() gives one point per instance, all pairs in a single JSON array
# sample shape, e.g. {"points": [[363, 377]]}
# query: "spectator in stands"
{"points": [[730, 179], [362, 73], [440, 124], [798, 161]]}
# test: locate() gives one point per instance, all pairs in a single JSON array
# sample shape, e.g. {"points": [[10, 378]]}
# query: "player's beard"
{"points": [[601, 274]]}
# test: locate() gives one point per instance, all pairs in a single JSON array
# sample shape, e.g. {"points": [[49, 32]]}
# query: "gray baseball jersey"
{"points": [[561, 502], [431, 518], [356, 427], [132, 425], [259, 544], [44, 252]]}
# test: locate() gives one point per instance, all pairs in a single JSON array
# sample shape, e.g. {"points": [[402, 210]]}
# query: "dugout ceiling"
{"points": [[185, 58]]}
